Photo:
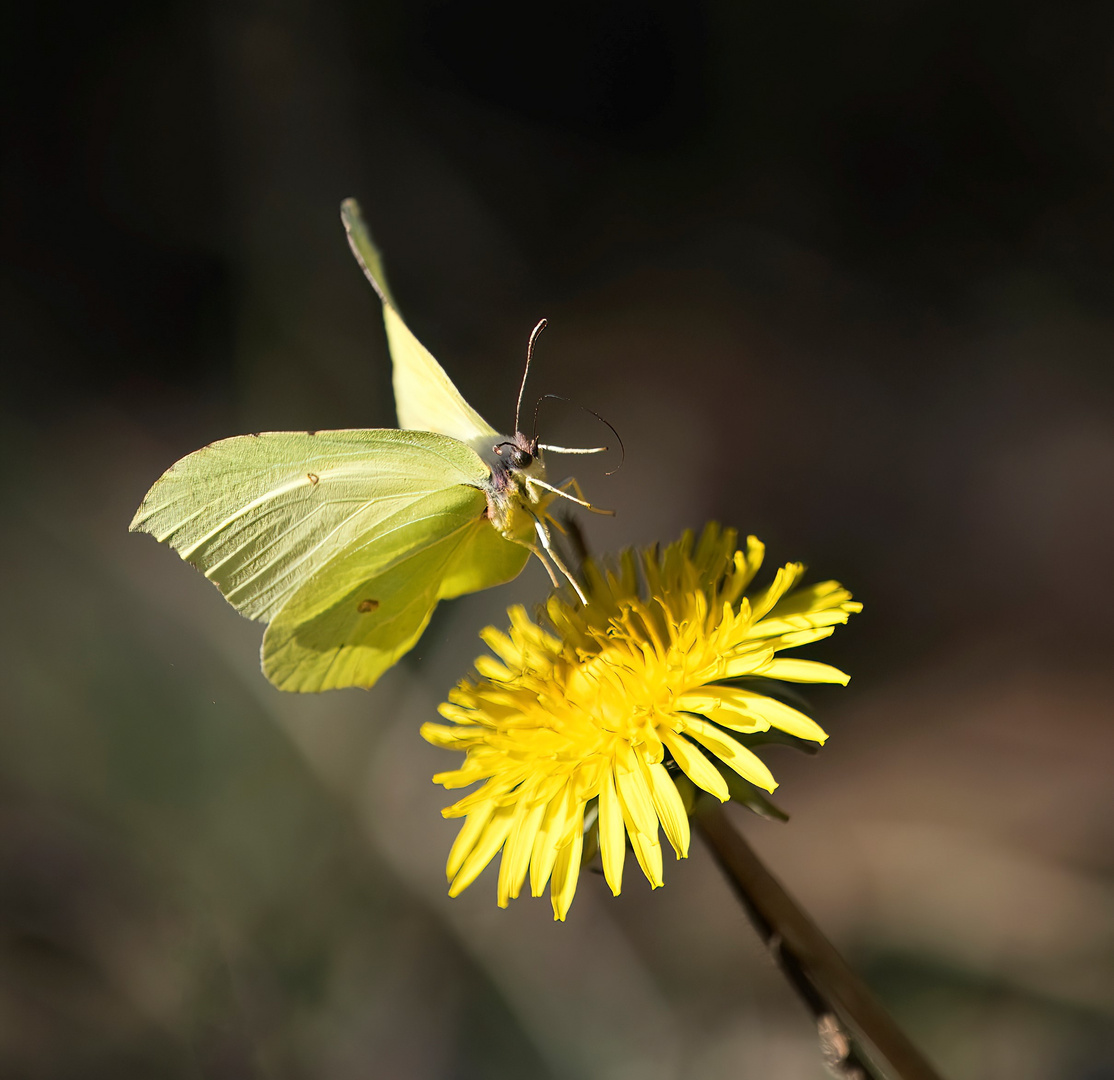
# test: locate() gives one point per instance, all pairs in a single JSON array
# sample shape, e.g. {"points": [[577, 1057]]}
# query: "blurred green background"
{"points": [[840, 274]]}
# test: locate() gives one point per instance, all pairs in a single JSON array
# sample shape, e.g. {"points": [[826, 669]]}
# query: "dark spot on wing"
{"points": [[366, 606], [313, 478]]}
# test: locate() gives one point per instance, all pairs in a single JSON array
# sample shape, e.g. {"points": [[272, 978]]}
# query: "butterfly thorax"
{"points": [[513, 504]]}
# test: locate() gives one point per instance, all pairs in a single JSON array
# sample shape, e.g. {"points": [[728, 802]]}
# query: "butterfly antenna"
{"points": [[558, 397], [534, 334]]}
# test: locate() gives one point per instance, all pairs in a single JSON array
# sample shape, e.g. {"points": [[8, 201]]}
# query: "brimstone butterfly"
{"points": [[344, 541]]}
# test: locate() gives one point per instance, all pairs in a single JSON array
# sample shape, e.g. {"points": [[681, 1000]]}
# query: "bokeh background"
{"points": [[841, 274]]}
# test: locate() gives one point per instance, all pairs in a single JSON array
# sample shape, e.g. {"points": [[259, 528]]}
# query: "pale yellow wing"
{"points": [[343, 540], [425, 398], [354, 619], [263, 515]]}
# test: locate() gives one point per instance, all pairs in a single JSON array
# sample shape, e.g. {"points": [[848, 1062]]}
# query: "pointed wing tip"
{"points": [[364, 249]]}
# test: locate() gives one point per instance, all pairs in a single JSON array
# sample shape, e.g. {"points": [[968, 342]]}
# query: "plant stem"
{"points": [[831, 991]]}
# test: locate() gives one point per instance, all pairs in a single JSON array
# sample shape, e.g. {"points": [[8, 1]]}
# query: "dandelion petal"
{"points": [[745, 762], [613, 847], [670, 809], [804, 671], [566, 871], [696, 766], [489, 842]]}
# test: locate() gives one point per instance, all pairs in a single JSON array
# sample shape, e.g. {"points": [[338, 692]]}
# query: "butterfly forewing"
{"points": [[262, 515], [425, 397]]}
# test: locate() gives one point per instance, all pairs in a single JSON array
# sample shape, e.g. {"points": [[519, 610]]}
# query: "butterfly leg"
{"points": [[578, 491], [573, 483], [547, 543], [541, 557], [580, 501]]}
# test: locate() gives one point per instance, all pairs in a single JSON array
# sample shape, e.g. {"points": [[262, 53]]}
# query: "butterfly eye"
{"points": [[520, 459]]}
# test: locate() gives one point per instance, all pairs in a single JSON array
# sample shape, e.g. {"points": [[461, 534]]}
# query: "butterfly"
{"points": [[343, 542]]}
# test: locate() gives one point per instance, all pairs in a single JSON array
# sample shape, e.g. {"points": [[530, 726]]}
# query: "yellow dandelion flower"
{"points": [[582, 724]]}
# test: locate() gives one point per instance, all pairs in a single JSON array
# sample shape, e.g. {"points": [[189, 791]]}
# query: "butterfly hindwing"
{"points": [[425, 397], [351, 622]]}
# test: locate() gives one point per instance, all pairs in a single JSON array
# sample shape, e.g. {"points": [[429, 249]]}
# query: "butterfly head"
{"points": [[519, 496], [521, 459], [516, 459]]}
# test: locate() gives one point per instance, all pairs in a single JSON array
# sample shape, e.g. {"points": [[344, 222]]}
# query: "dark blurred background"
{"points": [[841, 274]]}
